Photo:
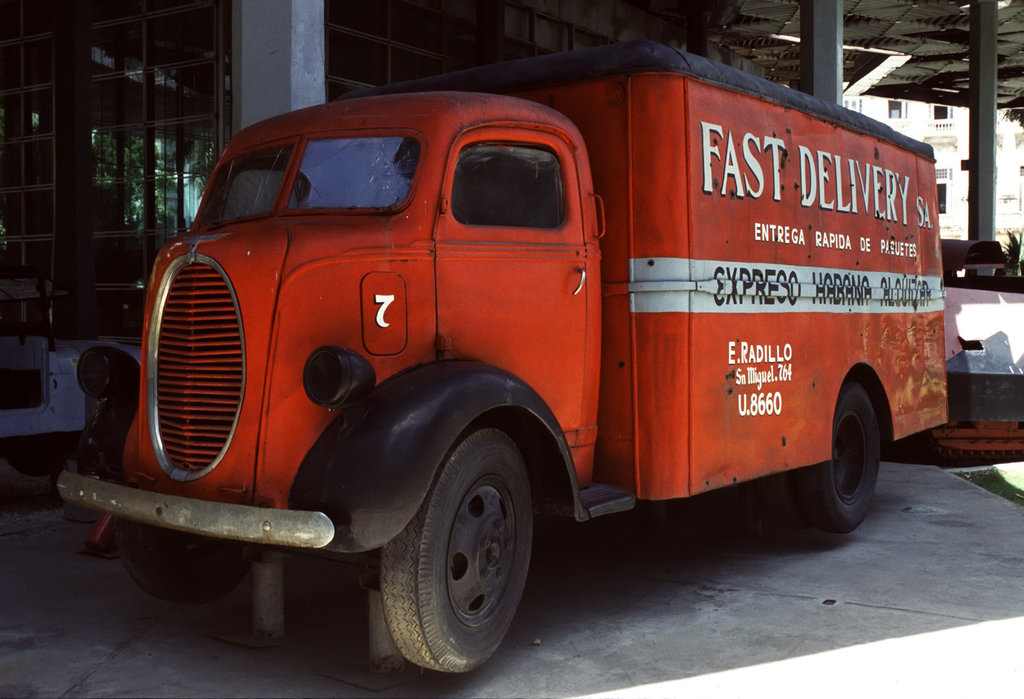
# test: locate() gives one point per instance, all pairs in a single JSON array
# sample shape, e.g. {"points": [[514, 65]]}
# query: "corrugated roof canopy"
{"points": [[928, 42]]}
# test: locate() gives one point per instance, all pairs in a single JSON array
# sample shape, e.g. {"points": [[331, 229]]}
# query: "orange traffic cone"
{"points": [[101, 537]]}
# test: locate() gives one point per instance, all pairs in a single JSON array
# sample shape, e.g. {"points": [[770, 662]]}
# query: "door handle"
{"points": [[583, 279]]}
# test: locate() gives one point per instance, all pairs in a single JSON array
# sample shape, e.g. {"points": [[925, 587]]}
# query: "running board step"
{"points": [[600, 499]]}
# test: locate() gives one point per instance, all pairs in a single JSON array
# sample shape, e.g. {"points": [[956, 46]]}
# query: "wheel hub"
{"points": [[848, 457], [481, 548]]}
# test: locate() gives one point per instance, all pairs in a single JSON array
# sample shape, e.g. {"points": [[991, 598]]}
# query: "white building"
{"points": [[946, 129]]}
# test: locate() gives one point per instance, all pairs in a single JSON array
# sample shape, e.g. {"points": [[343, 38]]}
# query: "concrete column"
{"points": [[268, 598], [385, 657], [821, 48], [277, 58], [981, 192], [74, 265]]}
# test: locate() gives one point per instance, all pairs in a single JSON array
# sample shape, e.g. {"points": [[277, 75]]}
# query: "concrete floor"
{"points": [[926, 598]]}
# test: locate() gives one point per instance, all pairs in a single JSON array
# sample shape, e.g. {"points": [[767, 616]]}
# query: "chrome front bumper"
{"points": [[257, 525]]}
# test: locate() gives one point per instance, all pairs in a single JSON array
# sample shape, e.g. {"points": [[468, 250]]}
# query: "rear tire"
{"points": [[451, 581], [837, 494], [779, 499], [179, 567]]}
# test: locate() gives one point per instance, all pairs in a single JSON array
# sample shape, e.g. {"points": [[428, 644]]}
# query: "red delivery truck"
{"points": [[406, 322]]}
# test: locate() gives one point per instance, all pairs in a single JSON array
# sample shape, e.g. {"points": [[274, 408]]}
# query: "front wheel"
{"points": [[179, 567], [451, 581], [836, 494]]}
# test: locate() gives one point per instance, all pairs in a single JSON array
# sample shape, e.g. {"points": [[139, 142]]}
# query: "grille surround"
{"points": [[195, 374]]}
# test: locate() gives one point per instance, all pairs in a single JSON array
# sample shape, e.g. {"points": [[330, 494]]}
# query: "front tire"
{"points": [[836, 494], [179, 567], [451, 581]]}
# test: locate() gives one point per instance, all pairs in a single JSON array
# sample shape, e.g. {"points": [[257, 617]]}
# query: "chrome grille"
{"points": [[199, 373]]}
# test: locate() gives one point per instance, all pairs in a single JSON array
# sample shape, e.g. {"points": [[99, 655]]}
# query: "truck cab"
{"points": [[369, 286], [445, 227]]}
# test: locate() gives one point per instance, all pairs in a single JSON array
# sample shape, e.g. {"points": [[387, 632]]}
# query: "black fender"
{"points": [[373, 465], [101, 446]]}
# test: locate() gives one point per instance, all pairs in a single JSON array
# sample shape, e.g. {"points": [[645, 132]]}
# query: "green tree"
{"points": [[1012, 250], [1016, 115]]}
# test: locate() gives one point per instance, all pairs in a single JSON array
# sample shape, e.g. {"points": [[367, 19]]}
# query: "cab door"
{"points": [[512, 264]]}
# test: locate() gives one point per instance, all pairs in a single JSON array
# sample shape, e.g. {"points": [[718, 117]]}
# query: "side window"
{"points": [[508, 185]]}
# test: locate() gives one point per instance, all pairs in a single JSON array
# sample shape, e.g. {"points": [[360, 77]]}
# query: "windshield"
{"points": [[247, 186], [372, 172]]}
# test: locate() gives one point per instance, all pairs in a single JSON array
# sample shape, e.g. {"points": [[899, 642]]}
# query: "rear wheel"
{"points": [[451, 581], [779, 499], [177, 566], [836, 494]]}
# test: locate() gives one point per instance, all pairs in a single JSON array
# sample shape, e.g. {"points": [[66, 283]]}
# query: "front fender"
{"points": [[101, 446], [371, 468]]}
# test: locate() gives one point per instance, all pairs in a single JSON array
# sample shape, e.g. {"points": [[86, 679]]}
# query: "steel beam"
{"points": [[981, 193], [821, 48]]}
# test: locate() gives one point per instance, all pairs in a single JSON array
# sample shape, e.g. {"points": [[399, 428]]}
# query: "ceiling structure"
{"points": [[918, 49]]}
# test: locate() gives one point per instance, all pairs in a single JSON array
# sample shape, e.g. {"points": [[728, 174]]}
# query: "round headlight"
{"points": [[337, 376], [94, 373]]}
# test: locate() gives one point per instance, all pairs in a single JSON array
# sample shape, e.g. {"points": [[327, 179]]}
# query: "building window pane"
{"points": [[10, 252], [38, 254], [407, 65], [39, 112], [39, 162], [117, 48], [10, 20], [10, 66], [38, 62], [10, 161], [181, 36], [105, 11], [394, 40], [11, 220], [419, 27], [120, 312], [357, 59], [120, 260], [551, 35], [39, 214], [365, 17]]}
